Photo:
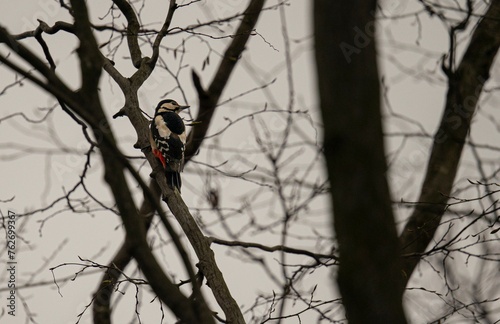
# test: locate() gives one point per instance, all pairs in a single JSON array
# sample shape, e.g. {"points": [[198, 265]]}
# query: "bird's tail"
{"points": [[173, 179]]}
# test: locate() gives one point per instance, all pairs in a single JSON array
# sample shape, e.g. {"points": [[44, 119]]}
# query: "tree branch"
{"points": [[132, 31], [59, 25], [315, 256], [114, 176], [464, 88], [33, 60], [209, 98], [163, 31], [88, 52], [199, 242], [102, 297]]}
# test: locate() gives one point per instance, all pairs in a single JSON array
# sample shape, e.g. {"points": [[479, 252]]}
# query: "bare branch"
{"points": [[163, 31], [132, 31], [286, 249], [209, 98], [43, 27], [55, 84]]}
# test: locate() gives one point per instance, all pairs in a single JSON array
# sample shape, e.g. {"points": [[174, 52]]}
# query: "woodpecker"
{"points": [[168, 140]]}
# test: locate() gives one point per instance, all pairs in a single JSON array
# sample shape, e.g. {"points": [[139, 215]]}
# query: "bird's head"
{"points": [[169, 105]]}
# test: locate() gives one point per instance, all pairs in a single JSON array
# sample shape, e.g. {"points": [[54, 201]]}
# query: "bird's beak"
{"points": [[181, 108]]}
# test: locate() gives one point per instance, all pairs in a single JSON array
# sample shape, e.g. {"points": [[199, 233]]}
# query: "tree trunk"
{"points": [[369, 276]]}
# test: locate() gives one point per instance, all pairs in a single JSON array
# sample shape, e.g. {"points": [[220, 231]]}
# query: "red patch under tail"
{"points": [[158, 154]]}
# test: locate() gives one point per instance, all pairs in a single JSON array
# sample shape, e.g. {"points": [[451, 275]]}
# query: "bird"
{"points": [[168, 140]]}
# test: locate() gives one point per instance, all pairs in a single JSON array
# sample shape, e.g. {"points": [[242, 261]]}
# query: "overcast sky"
{"points": [[40, 162]]}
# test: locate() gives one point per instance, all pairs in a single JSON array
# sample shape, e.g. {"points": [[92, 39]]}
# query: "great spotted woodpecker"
{"points": [[168, 139]]}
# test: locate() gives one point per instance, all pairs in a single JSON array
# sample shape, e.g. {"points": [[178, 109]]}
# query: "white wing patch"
{"points": [[162, 128]]}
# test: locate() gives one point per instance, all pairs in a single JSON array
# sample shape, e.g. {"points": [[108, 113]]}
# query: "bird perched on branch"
{"points": [[168, 140]]}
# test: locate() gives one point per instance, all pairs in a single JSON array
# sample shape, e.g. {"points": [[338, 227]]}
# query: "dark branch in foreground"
{"points": [[102, 298]]}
